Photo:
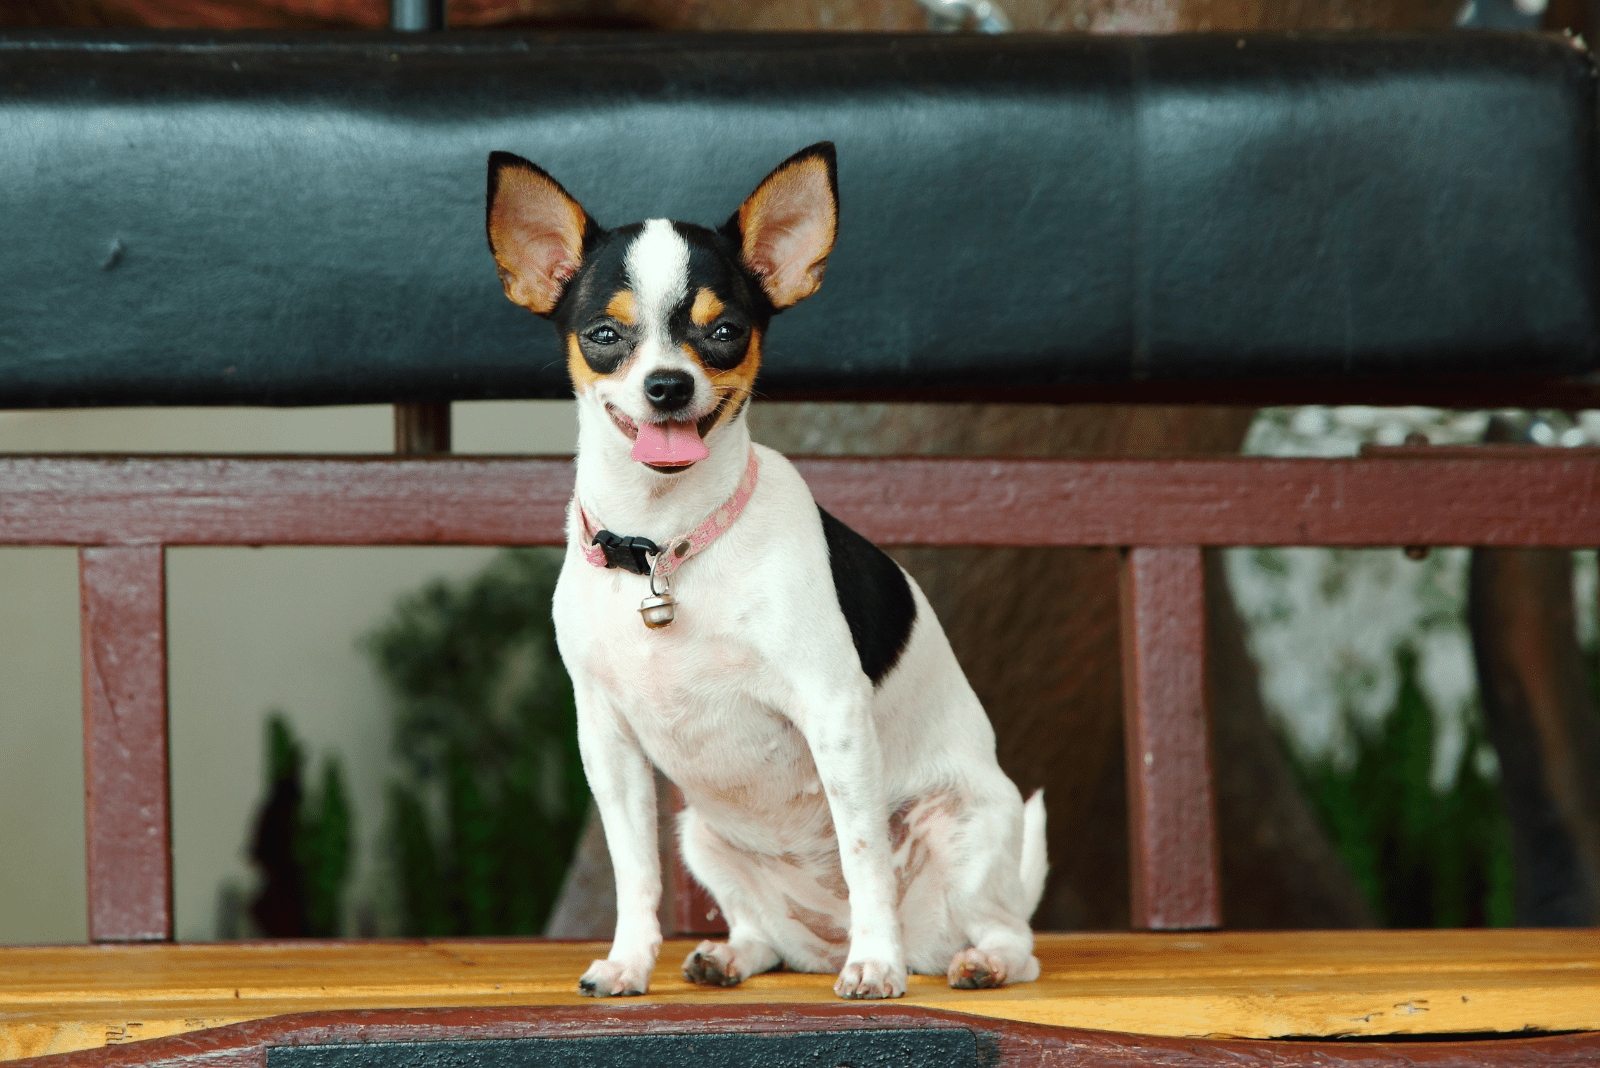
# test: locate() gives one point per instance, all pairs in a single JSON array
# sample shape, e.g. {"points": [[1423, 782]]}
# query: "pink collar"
{"points": [[679, 548]]}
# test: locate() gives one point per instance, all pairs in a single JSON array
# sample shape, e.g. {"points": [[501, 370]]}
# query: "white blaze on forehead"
{"points": [[658, 271]]}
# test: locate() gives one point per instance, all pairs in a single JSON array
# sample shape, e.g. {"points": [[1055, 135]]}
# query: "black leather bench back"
{"points": [[276, 220]]}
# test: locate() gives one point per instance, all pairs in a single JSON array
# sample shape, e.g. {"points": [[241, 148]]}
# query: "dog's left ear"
{"points": [[785, 229], [536, 232]]}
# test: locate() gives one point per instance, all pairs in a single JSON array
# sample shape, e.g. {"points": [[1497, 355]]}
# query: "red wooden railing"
{"points": [[124, 511]]}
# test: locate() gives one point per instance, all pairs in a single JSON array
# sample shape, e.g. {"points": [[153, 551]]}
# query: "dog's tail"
{"points": [[1035, 866]]}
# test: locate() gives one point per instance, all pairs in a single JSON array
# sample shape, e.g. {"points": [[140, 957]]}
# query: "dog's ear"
{"points": [[785, 229], [536, 232]]}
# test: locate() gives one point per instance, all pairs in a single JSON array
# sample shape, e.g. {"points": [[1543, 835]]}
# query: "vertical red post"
{"points": [[124, 626], [1171, 812], [693, 910]]}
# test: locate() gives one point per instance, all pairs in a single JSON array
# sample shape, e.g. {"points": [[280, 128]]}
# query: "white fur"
{"points": [[658, 270], [657, 263], [754, 703]]}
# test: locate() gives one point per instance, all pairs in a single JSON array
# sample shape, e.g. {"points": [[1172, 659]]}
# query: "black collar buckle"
{"points": [[627, 553]]}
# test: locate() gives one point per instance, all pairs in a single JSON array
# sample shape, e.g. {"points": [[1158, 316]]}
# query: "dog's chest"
{"points": [[696, 695]]}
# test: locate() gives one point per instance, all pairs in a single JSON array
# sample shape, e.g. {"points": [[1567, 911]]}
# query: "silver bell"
{"points": [[658, 610]]}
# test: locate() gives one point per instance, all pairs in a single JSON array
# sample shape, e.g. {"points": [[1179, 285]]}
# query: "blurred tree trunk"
{"points": [[1541, 719], [1540, 716]]}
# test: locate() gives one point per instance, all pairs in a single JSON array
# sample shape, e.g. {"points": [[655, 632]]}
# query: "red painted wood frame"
{"points": [[123, 511]]}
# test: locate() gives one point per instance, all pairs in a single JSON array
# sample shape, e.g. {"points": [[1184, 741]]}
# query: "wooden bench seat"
{"points": [[1216, 985]]}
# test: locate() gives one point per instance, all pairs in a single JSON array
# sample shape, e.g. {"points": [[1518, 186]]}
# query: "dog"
{"points": [[845, 807]]}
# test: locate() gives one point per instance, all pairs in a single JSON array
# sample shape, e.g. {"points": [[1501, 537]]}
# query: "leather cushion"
{"points": [[250, 219]]}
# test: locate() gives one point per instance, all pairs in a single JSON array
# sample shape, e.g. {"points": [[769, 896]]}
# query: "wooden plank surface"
{"points": [[1213, 984], [1404, 497]]}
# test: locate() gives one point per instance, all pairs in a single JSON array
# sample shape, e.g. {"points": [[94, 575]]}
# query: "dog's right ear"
{"points": [[536, 232]]}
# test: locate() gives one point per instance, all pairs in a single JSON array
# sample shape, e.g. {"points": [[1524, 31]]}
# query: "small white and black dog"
{"points": [[845, 807]]}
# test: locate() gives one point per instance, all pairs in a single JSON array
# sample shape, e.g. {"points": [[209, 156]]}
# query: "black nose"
{"points": [[669, 390]]}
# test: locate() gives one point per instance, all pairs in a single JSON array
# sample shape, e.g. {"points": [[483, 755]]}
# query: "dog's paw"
{"points": [[713, 964], [871, 979], [609, 978], [973, 969]]}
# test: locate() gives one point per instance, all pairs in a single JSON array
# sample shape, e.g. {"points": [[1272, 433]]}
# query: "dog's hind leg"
{"points": [[729, 963], [747, 951], [998, 895], [1002, 955]]}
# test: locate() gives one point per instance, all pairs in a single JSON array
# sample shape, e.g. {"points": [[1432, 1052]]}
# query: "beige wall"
{"points": [[250, 630]]}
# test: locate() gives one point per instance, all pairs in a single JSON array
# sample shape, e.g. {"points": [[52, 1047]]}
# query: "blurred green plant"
{"points": [[1421, 856], [487, 811], [301, 843]]}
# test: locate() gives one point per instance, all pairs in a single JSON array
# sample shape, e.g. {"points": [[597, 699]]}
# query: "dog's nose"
{"points": [[669, 390]]}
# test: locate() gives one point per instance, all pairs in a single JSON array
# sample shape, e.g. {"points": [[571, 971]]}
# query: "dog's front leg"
{"points": [[624, 791], [844, 747]]}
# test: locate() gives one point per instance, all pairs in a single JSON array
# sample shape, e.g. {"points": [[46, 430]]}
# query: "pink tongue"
{"points": [[669, 444]]}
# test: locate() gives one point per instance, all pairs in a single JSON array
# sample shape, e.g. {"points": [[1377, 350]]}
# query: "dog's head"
{"points": [[662, 321]]}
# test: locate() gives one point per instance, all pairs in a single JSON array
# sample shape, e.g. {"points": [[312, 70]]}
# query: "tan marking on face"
{"points": [[705, 309], [624, 308], [736, 383], [578, 368]]}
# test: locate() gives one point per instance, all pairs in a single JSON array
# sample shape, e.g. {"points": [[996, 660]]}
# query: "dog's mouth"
{"points": [[671, 446]]}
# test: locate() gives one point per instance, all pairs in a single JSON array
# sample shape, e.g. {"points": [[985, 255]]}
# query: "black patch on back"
{"points": [[873, 594]]}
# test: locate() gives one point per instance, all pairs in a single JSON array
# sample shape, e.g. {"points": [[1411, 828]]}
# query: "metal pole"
{"points": [[417, 15], [421, 427]]}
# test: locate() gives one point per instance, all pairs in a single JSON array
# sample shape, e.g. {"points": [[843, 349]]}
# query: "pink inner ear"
{"points": [[537, 232], [545, 265], [788, 228]]}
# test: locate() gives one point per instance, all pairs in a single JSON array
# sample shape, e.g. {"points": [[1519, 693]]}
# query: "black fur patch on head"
{"points": [[582, 308], [873, 594], [605, 341], [723, 343]]}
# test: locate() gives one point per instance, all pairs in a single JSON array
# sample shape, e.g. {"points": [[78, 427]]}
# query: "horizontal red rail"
{"points": [[1538, 497], [1162, 507]]}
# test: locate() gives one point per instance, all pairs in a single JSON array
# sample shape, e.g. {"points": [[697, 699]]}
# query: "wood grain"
{"points": [[999, 1043], [1172, 823], [53, 1000], [1538, 497], [127, 797]]}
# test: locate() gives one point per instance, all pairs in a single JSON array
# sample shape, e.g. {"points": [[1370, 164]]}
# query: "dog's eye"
{"points": [[726, 332], [604, 335]]}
